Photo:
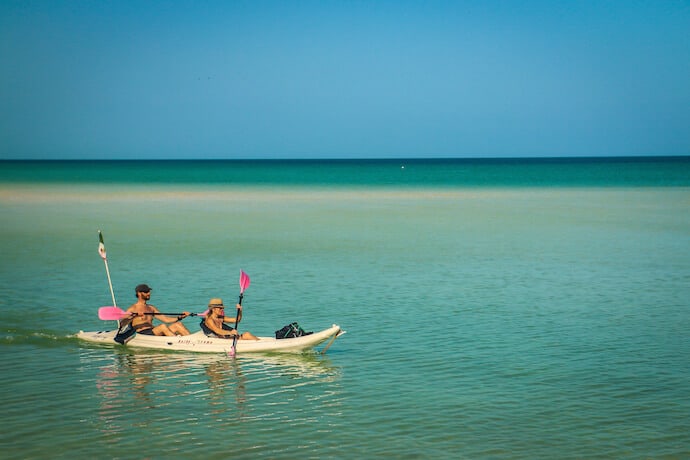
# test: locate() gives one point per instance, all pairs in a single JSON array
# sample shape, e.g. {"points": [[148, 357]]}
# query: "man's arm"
{"points": [[169, 319]]}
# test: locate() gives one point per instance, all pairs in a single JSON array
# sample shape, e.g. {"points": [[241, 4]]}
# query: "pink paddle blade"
{"points": [[244, 281], [111, 313]]}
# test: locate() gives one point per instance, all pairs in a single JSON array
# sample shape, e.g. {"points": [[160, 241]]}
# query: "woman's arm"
{"points": [[220, 332], [233, 319]]}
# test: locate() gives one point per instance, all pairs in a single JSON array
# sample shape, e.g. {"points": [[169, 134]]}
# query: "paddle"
{"points": [[122, 327], [101, 252], [244, 284], [116, 314]]}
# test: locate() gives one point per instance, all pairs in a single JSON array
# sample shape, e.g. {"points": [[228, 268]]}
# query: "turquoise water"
{"points": [[494, 309], [559, 172]]}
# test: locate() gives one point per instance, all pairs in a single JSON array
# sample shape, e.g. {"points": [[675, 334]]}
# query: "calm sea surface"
{"points": [[532, 309]]}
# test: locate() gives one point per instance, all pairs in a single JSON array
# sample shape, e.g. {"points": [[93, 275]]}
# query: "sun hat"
{"points": [[215, 302]]}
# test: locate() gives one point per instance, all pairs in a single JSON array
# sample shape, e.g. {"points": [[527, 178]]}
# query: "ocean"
{"points": [[518, 309]]}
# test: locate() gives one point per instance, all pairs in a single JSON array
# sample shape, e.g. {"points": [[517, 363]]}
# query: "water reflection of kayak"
{"points": [[151, 363], [199, 342]]}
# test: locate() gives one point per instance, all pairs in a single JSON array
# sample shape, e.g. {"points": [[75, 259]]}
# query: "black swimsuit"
{"points": [[144, 328], [210, 333]]}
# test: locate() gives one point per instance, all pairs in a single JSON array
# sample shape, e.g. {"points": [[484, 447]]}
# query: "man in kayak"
{"points": [[140, 314], [214, 323]]}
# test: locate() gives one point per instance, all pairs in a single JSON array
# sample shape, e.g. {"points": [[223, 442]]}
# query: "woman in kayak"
{"points": [[141, 316], [214, 323]]}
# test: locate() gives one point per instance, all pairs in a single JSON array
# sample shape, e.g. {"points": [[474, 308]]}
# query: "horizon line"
{"points": [[354, 159]]}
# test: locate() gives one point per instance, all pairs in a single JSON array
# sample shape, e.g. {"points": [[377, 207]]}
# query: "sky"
{"points": [[343, 79]]}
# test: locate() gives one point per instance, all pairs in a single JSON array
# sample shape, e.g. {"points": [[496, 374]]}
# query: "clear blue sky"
{"points": [[343, 79]]}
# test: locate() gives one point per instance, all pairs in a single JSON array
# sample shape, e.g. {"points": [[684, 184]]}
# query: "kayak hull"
{"points": [[199, 342]]}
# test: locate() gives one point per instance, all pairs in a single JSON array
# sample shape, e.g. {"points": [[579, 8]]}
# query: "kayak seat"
{"points": [[125, 334], [209, 333]]}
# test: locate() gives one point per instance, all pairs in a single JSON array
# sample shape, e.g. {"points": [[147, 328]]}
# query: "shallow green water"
{"points": [[483, 322]]}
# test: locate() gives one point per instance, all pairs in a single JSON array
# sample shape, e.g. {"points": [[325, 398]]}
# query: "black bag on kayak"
{"points": [[290, 331]]}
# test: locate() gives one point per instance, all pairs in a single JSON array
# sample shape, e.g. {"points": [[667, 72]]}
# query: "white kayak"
{"points": [[199, 342]]}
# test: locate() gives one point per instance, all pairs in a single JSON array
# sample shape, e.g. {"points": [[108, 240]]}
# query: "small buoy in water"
{"points": [[402, 167]]}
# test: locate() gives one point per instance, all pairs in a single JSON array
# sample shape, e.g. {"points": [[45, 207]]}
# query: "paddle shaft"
{"points": [[237, 325], [237, 316], [162, 314], [117, 314], [244, 284], [110, 283], [105, 261], [171, 314]]}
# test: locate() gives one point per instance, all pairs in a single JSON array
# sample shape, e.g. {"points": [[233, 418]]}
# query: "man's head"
{"points": [[141, 288]]}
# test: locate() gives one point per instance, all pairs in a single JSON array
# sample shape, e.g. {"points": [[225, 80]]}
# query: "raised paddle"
{"points": [[101, 252], [116, 314], [244, 284]]}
